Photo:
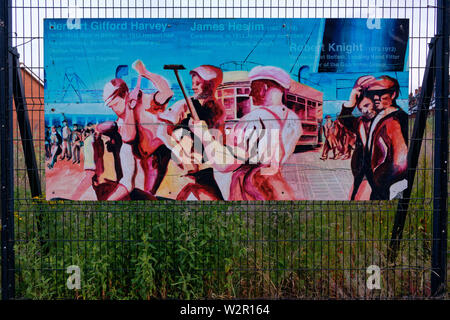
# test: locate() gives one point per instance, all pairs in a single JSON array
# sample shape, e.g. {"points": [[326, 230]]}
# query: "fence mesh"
{"points": [[140, 250]]}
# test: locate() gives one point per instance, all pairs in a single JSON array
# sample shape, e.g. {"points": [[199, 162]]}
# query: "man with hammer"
{"points": [[259, 143], [186, 146], [142, 151]]}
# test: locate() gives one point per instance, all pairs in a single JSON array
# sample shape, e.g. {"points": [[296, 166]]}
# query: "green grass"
{"points": [[145, 250], [141, 251]]}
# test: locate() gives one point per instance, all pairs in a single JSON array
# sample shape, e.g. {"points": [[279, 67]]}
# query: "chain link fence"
{"points": [[142, 250]]}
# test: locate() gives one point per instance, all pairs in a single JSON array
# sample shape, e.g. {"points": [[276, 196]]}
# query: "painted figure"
{"points": [[66, 144], [107, 158], [329, 132], [55, 143], [77, 141], [380, 156], [341, 140], [347, 140], [184, 144], [259, 143], [48, 143], [142, 151], [93, 150], [360, 127], [387, 141]]}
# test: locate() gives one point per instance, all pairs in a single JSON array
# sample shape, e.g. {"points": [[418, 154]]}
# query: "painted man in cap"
{"points": [[387, 141], [186, 147], [141, 153], [260, 142], [55, 146], [359, 125]]}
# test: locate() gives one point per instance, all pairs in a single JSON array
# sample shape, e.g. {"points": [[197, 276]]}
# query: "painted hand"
{"points": [[351, 103], [139, 66]]}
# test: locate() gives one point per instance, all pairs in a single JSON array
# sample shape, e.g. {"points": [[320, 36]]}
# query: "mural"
{"points": [[226, 109]]}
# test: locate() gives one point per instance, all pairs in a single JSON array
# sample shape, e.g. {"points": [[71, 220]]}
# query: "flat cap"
{"points": [[271, 73], [364, 82], [385, 83], [208, 72]]}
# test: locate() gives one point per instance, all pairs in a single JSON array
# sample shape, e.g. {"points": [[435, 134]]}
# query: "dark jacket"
{"points": [[387, 151]]}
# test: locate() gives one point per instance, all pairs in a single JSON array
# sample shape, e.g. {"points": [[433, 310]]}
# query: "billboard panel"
{"points": [[225, 109]]}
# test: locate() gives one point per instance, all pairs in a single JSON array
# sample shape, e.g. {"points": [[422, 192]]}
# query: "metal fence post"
{"points": [[6, 151], [415, 146], [23, 122], [439, 249]]}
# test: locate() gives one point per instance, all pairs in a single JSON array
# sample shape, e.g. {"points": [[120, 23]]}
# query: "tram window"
{"points": [[302, 104], [243, 90], [301, 100], [228, 103], [311, 110], [229, 114], [296, 107], [290, 104], [300, 110], [228, 92], [319, 112], [291, 97], [243, 106], [311, 104]]}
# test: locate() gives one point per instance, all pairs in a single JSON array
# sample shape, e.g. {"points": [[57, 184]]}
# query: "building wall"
{"points": [[34, 93]]}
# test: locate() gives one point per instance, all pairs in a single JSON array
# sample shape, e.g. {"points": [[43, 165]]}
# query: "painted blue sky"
{"points": [[78, 62]]}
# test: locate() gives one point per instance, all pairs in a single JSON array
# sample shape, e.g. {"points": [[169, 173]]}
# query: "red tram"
{"points": [[305, 101]]}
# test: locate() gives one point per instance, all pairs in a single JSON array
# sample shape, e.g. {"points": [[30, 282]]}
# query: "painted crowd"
{"points": [[66, 142]]}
